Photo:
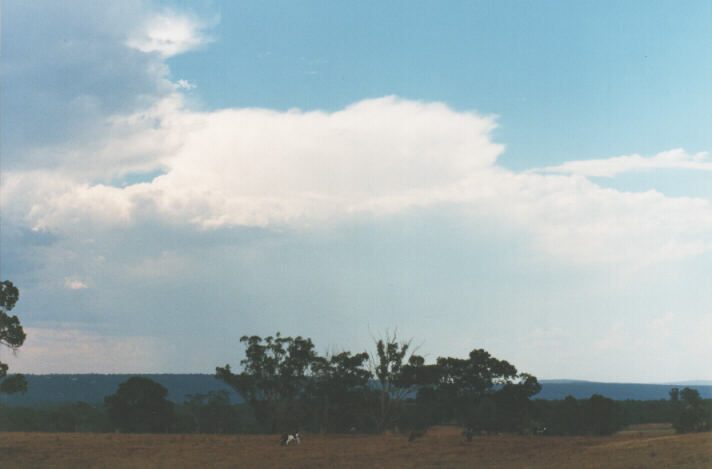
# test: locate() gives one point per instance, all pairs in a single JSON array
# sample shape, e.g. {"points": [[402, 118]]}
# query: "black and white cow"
{"points": [[288, 437]]}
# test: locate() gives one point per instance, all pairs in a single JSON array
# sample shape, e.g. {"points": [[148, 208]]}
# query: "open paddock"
{"points": [[440, 447]]}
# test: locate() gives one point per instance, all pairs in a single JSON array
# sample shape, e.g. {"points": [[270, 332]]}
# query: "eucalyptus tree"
{"points": [[481, 391], [336, 389], [398, 373], [140, 406], [690, 412], [12, 336], [275, 372]]}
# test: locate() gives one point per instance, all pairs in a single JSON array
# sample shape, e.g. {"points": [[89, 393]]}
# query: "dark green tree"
{"points": [[78, 417], [689, 412], [674, 394], [482, 392], [597, 415], [275, 373], [690, 397], [601, 415], [568, 417], [11, 335], [140, 406], [335, 390], [212, 412], [514, 405], [398, 372]]}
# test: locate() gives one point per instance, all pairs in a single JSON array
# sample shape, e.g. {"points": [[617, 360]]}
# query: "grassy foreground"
{"points": [[642, 447]]}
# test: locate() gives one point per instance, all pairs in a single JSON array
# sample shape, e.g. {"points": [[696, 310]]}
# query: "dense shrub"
{"points": [[140, 406]]}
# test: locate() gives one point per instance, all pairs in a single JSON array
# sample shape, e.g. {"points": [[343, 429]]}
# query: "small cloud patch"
{"points": [[611, 167], [74, 284], [183, 85], [169, 35]]}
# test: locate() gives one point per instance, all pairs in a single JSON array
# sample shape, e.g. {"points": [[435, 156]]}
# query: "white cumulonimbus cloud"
{"points": [[295, 169], [609, 167]]}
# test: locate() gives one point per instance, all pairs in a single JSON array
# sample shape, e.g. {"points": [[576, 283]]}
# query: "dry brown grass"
{"points": [[441, 447]]}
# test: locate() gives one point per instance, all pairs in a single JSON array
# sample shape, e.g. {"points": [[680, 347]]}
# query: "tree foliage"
{"points": [[140, 406], [689, 411], [336, 390], [480, 392], [76, 417], [212, 412], [275, 372], [597, 415], [12, 335], [288, 385], [601, 415], [13, 384], [398, 374]]}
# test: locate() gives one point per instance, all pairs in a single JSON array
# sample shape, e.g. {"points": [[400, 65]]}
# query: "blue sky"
{"points": [[528, 177]]}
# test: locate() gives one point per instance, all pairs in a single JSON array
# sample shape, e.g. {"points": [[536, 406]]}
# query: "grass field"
{"points": [[442, 447]]}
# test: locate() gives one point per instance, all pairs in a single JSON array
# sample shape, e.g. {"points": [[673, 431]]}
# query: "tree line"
{"points": [[286, 384], [212, 413]]}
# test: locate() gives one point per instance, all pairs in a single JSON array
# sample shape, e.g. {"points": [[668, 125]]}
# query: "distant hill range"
{"points": [[559, 389], [47, 390]]}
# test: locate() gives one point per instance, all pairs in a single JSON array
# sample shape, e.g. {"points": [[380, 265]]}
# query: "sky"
{"points": [[531, 178]]}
